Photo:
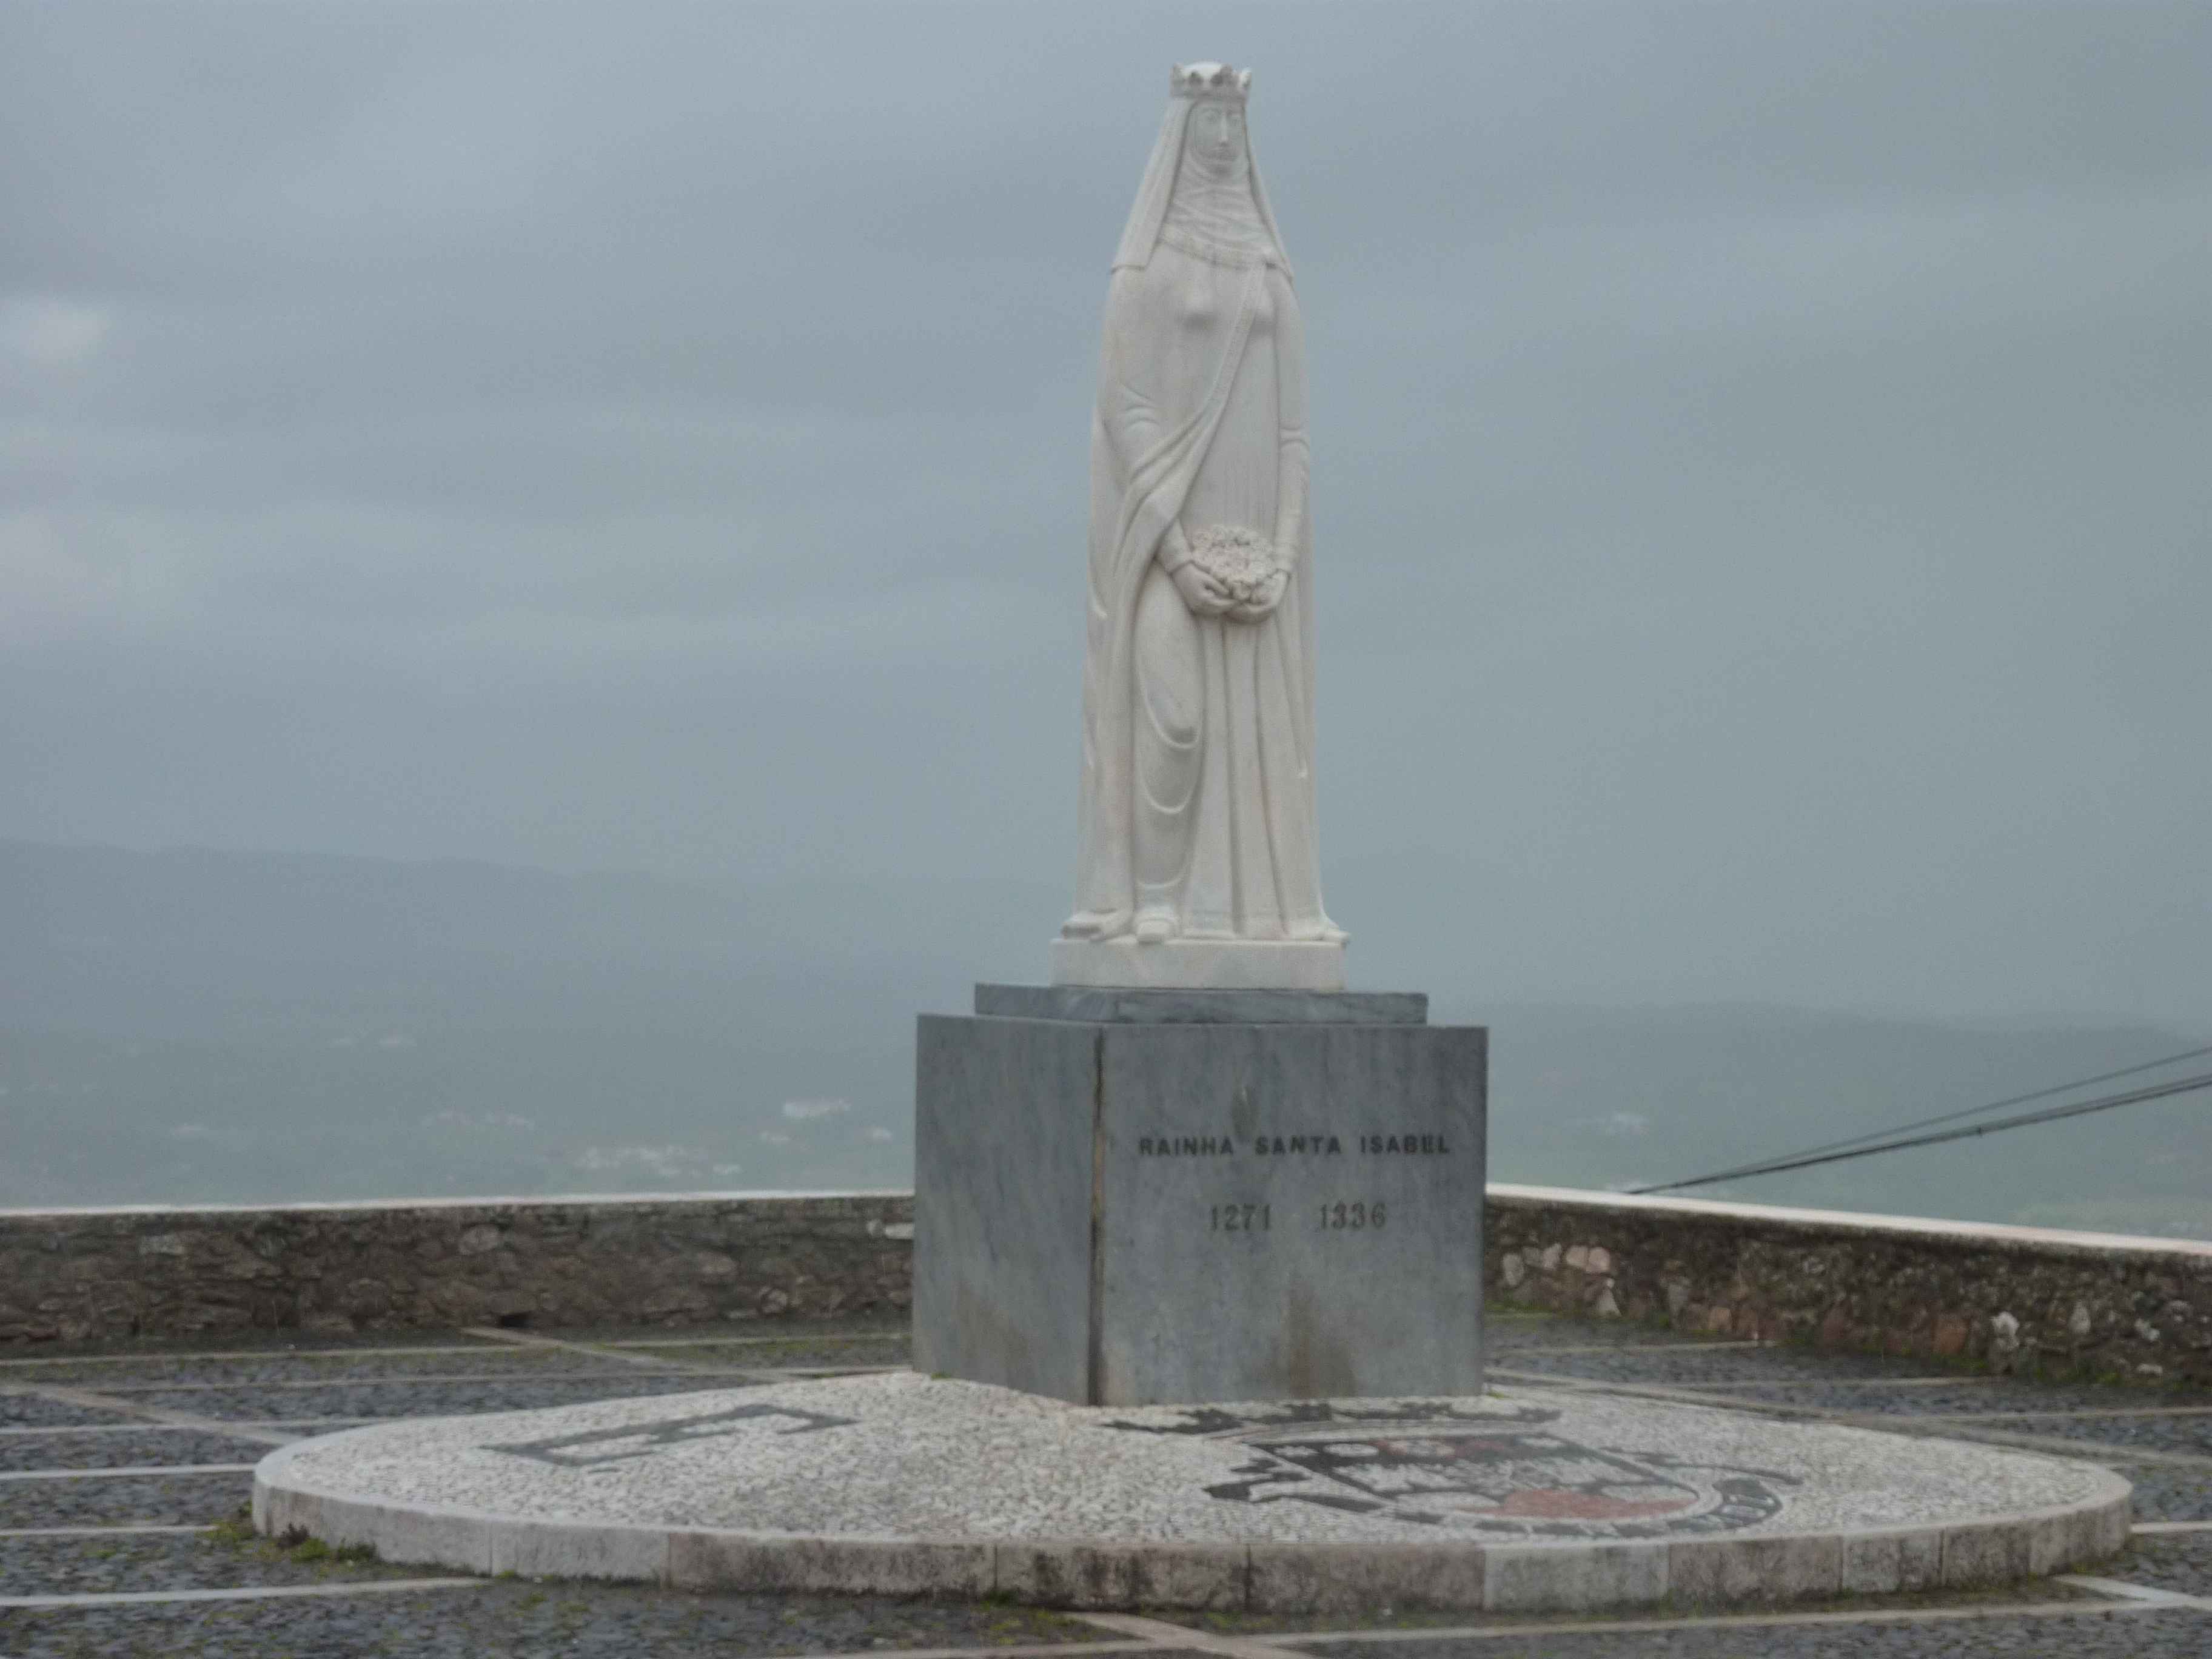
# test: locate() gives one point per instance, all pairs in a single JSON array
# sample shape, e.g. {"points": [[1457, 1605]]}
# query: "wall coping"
{"points": [[1925, 1229], [540, 1200], [1928, 1228]]}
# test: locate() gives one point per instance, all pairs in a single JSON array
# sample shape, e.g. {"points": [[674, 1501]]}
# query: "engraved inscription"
{"points": [[1352, 1215], [1357, 1216], [1240, 1218], [1322, 1145], [1404, 1145]]}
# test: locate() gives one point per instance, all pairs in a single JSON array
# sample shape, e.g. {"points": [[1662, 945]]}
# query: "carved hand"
{"points": [[1205, 596], [1264, 601]]}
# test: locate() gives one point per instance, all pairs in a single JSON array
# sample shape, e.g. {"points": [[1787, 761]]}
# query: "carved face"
{"points": [[1216, 140]]}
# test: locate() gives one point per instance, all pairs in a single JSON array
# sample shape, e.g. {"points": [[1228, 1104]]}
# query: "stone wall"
{"points": [[2014, 1298], [2011, 1297], [90, 1275]]}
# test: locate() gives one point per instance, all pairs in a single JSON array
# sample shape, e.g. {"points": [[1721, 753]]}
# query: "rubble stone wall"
{"points": [[2013, 1298], [90, 1275]]}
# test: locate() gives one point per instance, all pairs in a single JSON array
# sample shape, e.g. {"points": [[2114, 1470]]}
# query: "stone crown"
{"points": [[1209, 81]]}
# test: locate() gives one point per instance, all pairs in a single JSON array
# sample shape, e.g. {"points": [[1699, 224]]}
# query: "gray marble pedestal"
{"points": [[1130, 1197]]}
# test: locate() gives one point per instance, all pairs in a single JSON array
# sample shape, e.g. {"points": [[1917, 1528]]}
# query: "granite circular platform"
{"points": [[1526, 1499]]}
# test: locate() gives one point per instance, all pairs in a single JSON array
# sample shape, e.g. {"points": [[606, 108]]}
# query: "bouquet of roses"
{"points": [[1251, 568]]}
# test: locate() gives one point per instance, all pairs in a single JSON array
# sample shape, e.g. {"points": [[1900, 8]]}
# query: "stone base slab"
{"points": [[1217, 964], [1127, 1005], [1526, 1500]]}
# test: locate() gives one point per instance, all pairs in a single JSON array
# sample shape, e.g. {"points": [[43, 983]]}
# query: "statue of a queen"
{"points": [[1197, 862]]}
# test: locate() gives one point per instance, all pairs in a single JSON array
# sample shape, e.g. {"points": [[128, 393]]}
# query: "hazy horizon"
{"points": [[201, 1027], [1002, 952]]}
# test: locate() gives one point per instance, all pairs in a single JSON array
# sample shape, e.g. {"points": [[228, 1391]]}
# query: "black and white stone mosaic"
{"points": [[122, 1500], [523, 1621], [408, 1397], [137, 1447], [2089, 1634], [35, 1411], [1694, 1365], [341, 1613], [898, 1455], [135, 1373], [2165, 1493]]}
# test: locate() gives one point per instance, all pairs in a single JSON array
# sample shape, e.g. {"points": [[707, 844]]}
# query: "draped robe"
{"points": [[1199, 421]]}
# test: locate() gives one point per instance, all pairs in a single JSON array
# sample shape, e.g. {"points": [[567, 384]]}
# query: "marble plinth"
{"points": [[1522, 1500], [1126, 1212], [1228, 964]]}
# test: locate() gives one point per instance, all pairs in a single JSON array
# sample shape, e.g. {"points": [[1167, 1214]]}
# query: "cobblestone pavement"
{"points": [[123, 1475]]}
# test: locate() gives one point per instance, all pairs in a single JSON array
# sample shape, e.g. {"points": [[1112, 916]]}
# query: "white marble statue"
{"points": [[1197, 862]]}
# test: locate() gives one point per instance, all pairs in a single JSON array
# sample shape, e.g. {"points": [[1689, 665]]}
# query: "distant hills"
{"points": [[204, 1026]]}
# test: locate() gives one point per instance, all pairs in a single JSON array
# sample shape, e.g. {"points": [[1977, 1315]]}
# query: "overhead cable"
{"points": [[2048, 1114], [1765, 1164]]}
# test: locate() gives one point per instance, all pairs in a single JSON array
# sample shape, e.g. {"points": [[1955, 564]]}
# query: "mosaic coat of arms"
{"points": [[1465, 1471]]}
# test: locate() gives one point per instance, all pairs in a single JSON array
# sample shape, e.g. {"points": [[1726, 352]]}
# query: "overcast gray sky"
{"points": [[1763, 459]]}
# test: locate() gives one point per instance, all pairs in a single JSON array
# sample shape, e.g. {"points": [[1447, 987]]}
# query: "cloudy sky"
{"points": [[1763, 459]]}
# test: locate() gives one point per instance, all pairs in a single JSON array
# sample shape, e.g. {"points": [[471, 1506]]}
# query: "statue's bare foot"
{"points": [[1094, 924], [1156, 924]]}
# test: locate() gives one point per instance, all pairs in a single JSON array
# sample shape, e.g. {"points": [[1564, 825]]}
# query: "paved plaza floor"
{"points": [[124, 1475]]}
